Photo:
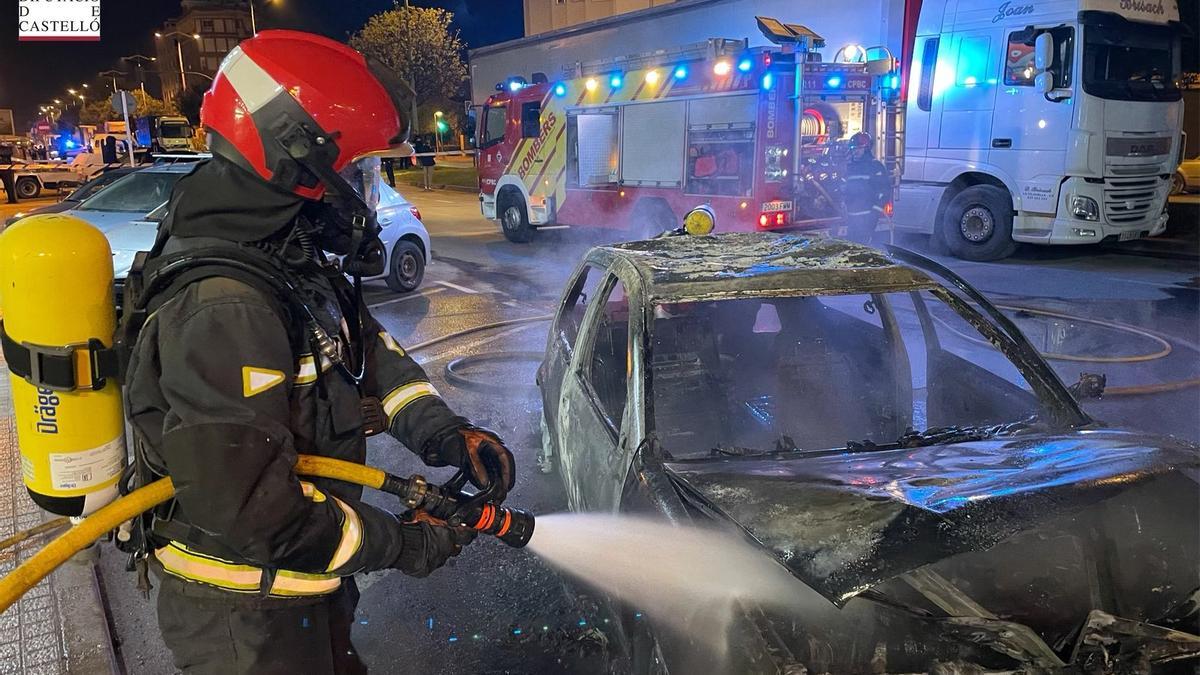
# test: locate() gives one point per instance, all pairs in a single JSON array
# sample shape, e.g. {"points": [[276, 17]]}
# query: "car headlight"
{"points": [[1084, 208]]}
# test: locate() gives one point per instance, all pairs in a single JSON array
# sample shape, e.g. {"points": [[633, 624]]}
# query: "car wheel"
{"points": [[514, 220], [977, 224], [406, 267], [1178, 184], [28, 188]]}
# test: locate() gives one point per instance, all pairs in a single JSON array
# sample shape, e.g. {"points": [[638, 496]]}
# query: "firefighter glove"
{"points": [[480, 452], [428, 543]]}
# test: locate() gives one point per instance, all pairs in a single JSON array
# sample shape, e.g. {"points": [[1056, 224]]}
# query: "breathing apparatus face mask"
{"points": [[346, 218]]}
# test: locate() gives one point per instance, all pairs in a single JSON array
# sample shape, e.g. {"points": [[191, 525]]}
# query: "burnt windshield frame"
{"points": [[1103, 32], [1023, 352]]}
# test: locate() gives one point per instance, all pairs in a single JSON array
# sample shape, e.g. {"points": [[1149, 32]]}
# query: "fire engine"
{"points": [[635, 142]]}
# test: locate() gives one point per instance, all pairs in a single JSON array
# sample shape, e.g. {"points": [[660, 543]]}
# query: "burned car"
{"points": [[892, 439]]}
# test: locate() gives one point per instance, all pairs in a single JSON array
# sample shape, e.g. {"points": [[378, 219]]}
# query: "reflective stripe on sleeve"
{"points": [[400, 397], [352, 537], [390, 343], [288, 583]]}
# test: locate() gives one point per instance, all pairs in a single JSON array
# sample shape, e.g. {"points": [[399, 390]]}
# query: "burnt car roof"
{"points": [[741, 264], [843, 522]]}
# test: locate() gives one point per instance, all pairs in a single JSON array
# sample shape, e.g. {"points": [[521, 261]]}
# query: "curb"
{"points": [[87, 642], [452, 188]]}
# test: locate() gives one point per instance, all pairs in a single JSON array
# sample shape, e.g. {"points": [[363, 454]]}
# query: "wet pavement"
{"points": [[500, 610]]}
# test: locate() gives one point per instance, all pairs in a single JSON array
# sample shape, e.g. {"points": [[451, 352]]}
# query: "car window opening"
{"points": [[747, 376]]}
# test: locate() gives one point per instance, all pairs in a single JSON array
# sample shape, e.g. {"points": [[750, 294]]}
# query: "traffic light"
{"points": [[441, 126]]}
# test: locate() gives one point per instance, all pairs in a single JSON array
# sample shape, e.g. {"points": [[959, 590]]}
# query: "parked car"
{"points": [[1187, 177], [888, 436], [77, 196], [403, 234], [131, 197], [405, 238]]}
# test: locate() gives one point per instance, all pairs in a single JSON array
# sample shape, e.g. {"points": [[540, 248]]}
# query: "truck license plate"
{"points": [[776, 206], [1129, 236]]}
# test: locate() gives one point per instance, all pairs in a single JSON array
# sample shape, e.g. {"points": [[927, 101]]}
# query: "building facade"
{"points": [[200, 37], [546, 15]]}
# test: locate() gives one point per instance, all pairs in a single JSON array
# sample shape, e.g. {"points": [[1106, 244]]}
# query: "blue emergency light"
{"points": [[833, 81], [560, 89], [615, 81], [680, 72], [768, 81], [745, 65]]}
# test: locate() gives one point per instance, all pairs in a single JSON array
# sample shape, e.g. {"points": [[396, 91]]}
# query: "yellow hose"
{"points": [[29, 573]]}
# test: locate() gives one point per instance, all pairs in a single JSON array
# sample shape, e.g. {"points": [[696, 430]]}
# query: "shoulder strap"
{"points": [[155, 280]]}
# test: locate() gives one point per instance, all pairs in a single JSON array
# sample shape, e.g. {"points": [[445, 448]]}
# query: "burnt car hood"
{"points": [[843, 522]]}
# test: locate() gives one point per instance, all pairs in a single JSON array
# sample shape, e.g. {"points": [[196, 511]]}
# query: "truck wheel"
{"points": [[28, 188], [514, 219], [406, 267], [977, 224], [1178, 184]]}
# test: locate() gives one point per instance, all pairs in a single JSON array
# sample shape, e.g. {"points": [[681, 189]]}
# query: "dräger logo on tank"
{"points": [[58, 20]]}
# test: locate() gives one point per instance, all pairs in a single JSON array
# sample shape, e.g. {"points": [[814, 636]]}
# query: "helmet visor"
{"points": [[362, 175]]}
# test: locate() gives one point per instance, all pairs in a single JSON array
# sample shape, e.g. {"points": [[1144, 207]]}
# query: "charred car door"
{"points": [[593, 419]]}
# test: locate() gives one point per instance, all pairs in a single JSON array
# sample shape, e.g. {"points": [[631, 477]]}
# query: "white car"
{"points": [[1187, 177], [403, 235]]}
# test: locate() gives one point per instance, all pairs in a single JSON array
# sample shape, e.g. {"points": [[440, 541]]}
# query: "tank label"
{"points": [[46, 411], [87, 468]]}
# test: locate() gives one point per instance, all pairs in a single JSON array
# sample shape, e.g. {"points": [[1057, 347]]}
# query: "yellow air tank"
{"points": [[56, 296]]}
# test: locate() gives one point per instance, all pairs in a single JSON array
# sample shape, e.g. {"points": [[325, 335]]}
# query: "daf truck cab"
{"points": [[1042, 121]]}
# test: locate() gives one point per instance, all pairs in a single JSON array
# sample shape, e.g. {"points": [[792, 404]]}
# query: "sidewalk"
{"points": [[59, 626]]}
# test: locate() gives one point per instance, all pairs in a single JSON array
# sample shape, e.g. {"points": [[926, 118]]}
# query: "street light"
{"points": [[137, 59], [253, 24], [113, 74], [179, 52]]}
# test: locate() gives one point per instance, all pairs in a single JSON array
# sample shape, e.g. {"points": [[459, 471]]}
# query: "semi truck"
{"points": [[163, 133], [1042, 121]]}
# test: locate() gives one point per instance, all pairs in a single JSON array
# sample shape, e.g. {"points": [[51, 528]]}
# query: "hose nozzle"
{"points": [[511, 526]]}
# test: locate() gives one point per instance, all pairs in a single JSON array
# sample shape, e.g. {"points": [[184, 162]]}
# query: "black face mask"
{"points": [[354, 237]]}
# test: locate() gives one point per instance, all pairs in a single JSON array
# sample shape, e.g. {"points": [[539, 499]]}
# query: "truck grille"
{"points": [[1131, 200]]}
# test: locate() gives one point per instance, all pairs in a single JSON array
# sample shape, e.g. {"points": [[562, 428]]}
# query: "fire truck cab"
{"points": [[634, 143]]}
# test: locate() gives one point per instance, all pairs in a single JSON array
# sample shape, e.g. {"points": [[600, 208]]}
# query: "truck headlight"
{"points": [[1085, 208]]}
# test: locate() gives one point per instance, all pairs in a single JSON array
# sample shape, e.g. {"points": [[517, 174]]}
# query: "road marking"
{"points": [[456, 287], [406, 298], [471, 346]]}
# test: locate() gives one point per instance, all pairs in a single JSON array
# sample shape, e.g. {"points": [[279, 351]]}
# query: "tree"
{"points": [[190, 101], [98, 112], [418, 44]]}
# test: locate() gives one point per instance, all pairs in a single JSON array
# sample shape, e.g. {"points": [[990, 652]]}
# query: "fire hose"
{"points": [[511, 526]]}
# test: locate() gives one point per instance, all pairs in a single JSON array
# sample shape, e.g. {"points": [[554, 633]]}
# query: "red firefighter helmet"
{"points": [[860, 140], [298, 108]]}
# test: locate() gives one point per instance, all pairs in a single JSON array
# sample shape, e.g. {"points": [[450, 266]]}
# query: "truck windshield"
{"points": [[1131, 62], [176, 131], [746, 376], [139, 192]]}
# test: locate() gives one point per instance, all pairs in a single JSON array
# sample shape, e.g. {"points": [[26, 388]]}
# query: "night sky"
{"points": [[35, 73]]}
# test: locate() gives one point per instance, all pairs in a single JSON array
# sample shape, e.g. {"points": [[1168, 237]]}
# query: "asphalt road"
{"points": [[499, 610]]}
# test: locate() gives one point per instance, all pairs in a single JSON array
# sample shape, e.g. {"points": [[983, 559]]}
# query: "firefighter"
{"points": [[866, 189], [252, 346]]}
